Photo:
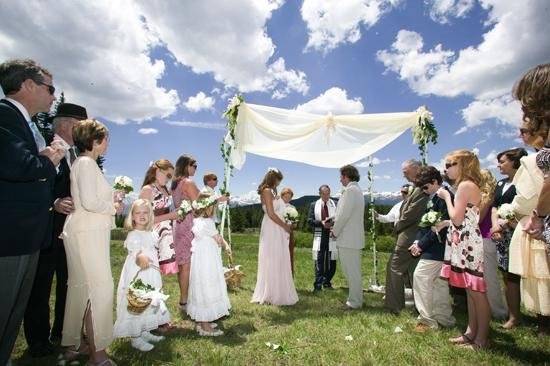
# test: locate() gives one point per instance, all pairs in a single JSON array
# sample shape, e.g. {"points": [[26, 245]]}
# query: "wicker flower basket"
{"points": [[137, 304], [233, 275]]}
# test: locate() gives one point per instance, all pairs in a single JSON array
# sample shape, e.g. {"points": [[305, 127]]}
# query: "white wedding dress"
{"points": [[207, 300]]}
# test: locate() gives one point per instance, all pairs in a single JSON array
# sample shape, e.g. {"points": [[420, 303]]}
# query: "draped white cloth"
{"points": [[321, 140]]}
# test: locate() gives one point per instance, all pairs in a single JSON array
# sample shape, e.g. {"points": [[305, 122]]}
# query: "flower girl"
{"points": [[142, 260], [208, 300]]}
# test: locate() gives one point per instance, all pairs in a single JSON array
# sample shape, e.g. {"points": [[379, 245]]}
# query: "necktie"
{"points": [[72, 154], [38, 138], [324, 211]]}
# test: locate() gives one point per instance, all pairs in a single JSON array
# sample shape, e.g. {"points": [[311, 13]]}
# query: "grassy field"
{"points": [[315, 331]]}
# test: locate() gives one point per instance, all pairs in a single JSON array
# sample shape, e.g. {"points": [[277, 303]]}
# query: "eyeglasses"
{"points": [[216, 179], [51, 88], [449, 165], [425, 187], [194, 166], [168, 175], [524, 131]]}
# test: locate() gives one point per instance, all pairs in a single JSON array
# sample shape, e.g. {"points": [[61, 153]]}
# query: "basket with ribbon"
{"points": [[233, 274]]}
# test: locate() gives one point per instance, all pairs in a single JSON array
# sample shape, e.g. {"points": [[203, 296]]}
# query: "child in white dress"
{"points": [[142, 259], [207, 300]]}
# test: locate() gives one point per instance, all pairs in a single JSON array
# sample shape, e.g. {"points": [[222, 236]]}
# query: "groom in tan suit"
{"points": [[401, 261], [349, 232]]}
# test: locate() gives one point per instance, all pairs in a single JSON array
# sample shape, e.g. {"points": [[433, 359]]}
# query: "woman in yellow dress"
{"points": [[528, 255], [87, 234]]}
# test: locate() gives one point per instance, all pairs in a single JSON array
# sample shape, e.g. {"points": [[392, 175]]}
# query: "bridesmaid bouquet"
{"points": [[124, 184], [506, 212], [430, 219], [291, 215]]}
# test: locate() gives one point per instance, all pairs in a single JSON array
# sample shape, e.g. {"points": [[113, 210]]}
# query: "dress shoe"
{"points": [[42, 349]]}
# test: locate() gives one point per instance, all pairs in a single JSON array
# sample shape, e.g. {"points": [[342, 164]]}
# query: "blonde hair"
{"points": [[287, 191], [205, 212], [129, 221], [469, 170]]}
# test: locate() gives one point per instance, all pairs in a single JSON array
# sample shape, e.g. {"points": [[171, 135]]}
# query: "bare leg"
{"points": [[183, 279], [513, 298], [471, 331], [95, 355], [482, 316]]}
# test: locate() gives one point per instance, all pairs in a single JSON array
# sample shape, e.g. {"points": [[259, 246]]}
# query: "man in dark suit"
{"points": [[401, 262], [27, 173], [52, 260], [431, 293]]}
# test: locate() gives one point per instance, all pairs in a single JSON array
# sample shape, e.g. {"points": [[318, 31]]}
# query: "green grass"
{"points": [[313, 331]]}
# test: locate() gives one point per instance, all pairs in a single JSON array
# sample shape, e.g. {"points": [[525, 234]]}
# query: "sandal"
{"points": [[462, 339], [474, 346]]}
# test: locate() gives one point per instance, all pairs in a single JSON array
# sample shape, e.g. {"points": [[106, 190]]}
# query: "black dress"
{"points": [[503, 244]]}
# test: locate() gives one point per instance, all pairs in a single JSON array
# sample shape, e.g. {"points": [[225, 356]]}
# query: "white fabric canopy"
{"points": [[321, 140]]}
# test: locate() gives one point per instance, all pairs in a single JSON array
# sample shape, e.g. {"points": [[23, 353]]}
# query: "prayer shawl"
{"points": [[318, 231]]}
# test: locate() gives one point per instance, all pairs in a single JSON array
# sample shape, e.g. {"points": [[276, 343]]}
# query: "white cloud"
{"points": [[331, 23], [99, 55], [334, 100], [514, 42], [199, 102], [244, 199], [381, 177], [207, 125], [229, 41], [441, 10], [148, 131], [489, 161]]}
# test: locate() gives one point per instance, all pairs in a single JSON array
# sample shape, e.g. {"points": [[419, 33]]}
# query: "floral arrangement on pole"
{"points": [[374, 284], [424, 132], [230, 114]]}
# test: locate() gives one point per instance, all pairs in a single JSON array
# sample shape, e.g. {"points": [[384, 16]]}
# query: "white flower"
{"points": [[123, 183], [506, 211], [291, 214], [430, 219], [349, 338], [398, 330], [185, 208], [424, 113], [271, 169]]}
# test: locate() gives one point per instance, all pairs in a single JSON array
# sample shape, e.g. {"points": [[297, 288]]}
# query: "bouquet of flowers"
{"points": [[185, 208], [506, 212], [291, 215], [123, 183], [430, 218]]}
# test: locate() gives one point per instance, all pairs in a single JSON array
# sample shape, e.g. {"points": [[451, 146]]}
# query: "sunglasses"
{"points": [[51, 88], [524, 131], [449, 165], [168, 175], [425, 187], [194, 166], [216, 179]]}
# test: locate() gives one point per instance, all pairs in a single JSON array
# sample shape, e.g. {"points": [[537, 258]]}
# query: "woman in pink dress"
{"points": [[463, 264], [274, 284], [183, 188]]}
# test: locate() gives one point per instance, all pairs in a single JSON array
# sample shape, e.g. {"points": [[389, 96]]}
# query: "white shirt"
{"points": [[391, 216], [38, 138]]}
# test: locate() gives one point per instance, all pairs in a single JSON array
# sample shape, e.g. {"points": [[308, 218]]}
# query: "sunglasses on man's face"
{"points": [[51, 88], [425, 187], [449, 165], [524, 131]]}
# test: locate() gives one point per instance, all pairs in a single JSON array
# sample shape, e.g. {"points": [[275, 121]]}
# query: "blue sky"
{"points": [[139, 67]]}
